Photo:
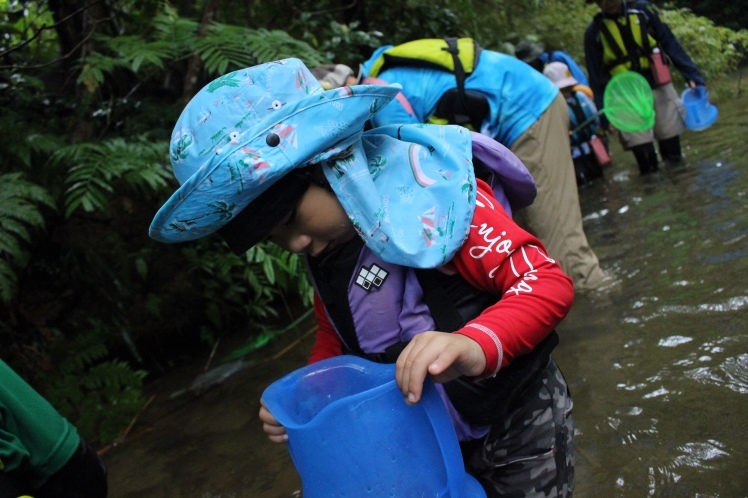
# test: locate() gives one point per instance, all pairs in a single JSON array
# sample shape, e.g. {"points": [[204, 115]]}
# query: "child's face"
{"points": [[315, 226]]}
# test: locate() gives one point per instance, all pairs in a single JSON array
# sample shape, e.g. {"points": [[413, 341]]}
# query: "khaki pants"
{"points": [[555, 217], [669, 114]]}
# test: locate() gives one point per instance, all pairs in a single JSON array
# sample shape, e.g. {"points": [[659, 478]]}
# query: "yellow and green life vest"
{"points": [[627, 43], [456, 55], [459, 56]]}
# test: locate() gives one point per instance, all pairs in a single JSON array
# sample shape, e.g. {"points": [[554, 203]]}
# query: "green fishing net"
{"points": [[628, 102]]}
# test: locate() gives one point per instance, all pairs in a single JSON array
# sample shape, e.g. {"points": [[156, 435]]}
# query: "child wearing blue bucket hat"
{"points": [[414, 260]]}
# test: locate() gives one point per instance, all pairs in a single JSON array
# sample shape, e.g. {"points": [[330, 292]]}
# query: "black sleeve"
{"points": [[83, 476]]}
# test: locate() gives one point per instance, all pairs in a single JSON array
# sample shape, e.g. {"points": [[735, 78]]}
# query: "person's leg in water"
{"points": [[669, 125], [594, 170], [555, 216], [646, 158], [580, 170], [641, 143], [670, 150], [530, 452]]}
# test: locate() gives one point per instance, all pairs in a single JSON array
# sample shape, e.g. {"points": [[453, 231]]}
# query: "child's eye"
{"points": [[291, 218], [286, 222]]}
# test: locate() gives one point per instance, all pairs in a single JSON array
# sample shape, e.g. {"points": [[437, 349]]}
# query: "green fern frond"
{"points": [[276, 44], [224, 49], [98, 396], [14, 188], [169, 27], [9, 245], [20, 203], [227, 48], [8, 282], [133, 52], [87, 352], [20, 140], [93, 169], [14, 211], [10, 230], [95, 66], [44, 143]]}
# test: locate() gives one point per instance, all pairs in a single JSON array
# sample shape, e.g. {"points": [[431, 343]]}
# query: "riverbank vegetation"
{"points": [[89, 92]]}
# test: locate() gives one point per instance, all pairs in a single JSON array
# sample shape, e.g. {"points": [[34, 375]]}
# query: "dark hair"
{"points": [[255, 222]]}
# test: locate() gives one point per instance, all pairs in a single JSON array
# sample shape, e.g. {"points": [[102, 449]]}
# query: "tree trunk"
{"points": [[195, 63]]}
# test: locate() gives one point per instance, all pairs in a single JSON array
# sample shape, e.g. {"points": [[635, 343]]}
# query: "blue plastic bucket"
{"points": [[351, 434], [700, 113]]}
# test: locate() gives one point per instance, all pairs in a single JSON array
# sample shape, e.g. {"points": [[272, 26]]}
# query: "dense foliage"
{"points": [[89, 92], [727, 13]]}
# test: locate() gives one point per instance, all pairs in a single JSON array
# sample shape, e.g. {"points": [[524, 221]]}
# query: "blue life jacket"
{"points": [[517, 95], [581, 109]]}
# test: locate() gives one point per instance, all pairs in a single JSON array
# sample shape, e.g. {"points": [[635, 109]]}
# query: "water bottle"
{"points": [[660, 71]]}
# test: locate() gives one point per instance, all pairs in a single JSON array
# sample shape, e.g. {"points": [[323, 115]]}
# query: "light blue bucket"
{"points": [[700, 113], [351, 434]]}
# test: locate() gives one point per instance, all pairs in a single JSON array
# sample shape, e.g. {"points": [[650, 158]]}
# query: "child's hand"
{"points": [[276, 432], [442, 355]]}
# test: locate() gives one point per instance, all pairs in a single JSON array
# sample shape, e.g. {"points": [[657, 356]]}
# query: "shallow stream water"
{"points": [[658, 367]]}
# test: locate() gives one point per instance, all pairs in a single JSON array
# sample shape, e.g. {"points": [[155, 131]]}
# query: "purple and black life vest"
{"points": [[376, 307]]}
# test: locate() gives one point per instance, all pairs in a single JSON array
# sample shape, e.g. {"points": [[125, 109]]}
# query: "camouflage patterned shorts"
{"points": [[530, 453]]}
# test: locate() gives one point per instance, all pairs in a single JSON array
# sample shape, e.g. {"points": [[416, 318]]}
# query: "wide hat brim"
{"points": [[566, 82], [289, 139]]}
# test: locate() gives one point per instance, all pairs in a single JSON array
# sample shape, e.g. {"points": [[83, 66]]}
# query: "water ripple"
{"points": [[736, 370], [737, 303], [732, 304], [596, 215], [672, 341], [732, 373], [662, 391], [693, 456]]}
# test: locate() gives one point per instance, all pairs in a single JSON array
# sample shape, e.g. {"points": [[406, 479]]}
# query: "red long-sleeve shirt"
{"points": [[499, 257]]}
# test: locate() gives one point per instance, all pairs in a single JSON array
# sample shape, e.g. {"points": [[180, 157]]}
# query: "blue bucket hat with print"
{"points": [[242, 144], [244, 132]]}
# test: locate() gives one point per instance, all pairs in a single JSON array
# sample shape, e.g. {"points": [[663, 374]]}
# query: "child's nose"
{"points": [[299, 243]]}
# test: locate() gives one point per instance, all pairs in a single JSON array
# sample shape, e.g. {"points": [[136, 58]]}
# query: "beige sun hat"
{"points": [[559, 74]]}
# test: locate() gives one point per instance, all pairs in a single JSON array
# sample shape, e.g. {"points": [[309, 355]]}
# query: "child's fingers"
{"points": [[275, 431], [266, 416], [277, 438], [404, 369], [443, 356], [427, 353]]}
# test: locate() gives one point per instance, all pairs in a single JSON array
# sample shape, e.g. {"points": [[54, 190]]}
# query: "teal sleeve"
{"points": [[35, 440], [13, 455]]}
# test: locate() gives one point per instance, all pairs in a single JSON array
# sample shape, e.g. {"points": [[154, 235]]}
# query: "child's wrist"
{"points": [[489, 345]]}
